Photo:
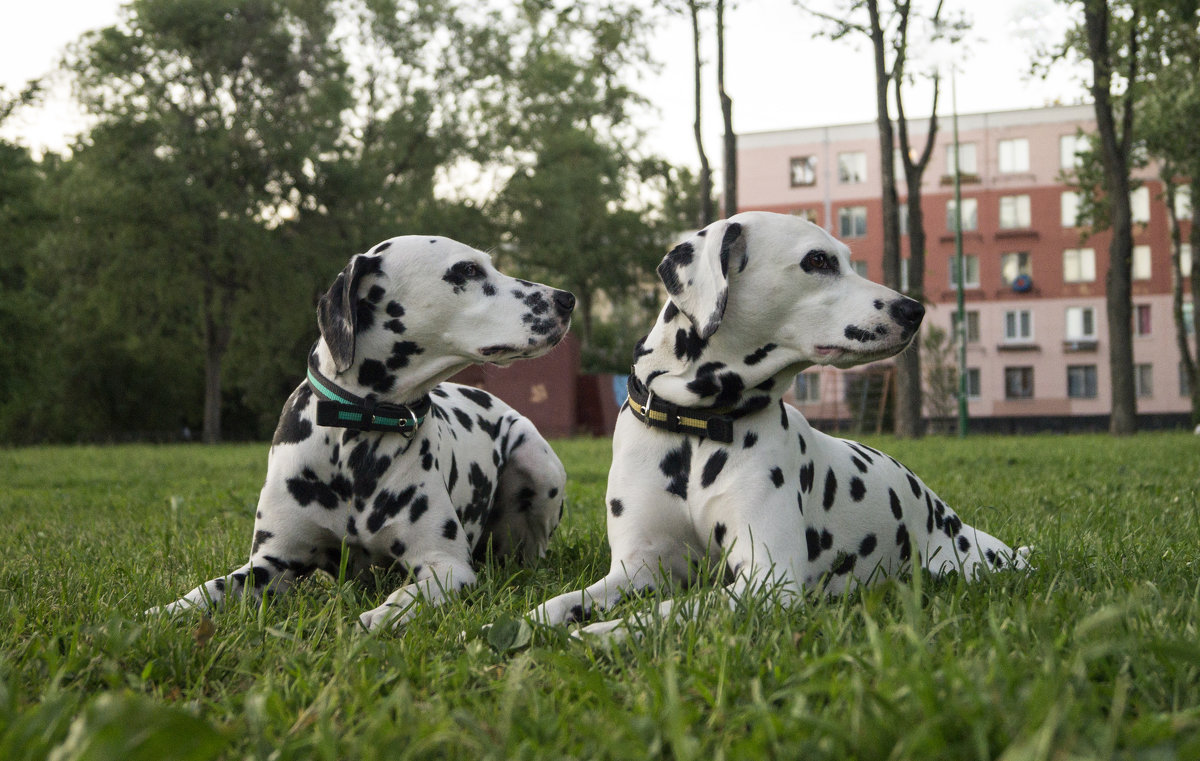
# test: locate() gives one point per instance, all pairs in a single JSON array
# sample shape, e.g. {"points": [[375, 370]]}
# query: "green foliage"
{"points": [[242, 151], [1092, 655]]}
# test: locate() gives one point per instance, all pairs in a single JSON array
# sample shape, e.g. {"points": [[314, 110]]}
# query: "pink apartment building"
{"points": [[1037, 351]]}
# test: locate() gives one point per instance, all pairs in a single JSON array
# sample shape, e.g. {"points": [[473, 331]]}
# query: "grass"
{"points": [[1094, 655]]}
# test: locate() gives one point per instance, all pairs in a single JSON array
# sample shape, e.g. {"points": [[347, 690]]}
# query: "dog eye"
{"points": [[468, 270], [818, 261]]}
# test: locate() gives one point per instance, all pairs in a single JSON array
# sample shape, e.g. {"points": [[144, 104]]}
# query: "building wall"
{"points": [[765, 159]]}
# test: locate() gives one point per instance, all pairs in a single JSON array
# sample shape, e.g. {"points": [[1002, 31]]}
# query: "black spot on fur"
{"points": [[857, 489], [675, 466], [260, 537], [855, 333], [670, 311], [783, 415], [452, 478], [719, 534], [381, 247], [867, 545], [292, 428], [689, 344], [617, 507], [419, 506], [668, 270], [750, 440], [479, 396], [777, 476], [712, 468], [808, 474], [964, 544], [862, 466], [398, 549], [814, 543], [307, 488], [914, 485], [402, 352], [803, 443], [373, 375], [844, 563], [902, 541], [830, 490], [759, 354], [450, 529], [388, 505], [897, 509], [464, 419]]}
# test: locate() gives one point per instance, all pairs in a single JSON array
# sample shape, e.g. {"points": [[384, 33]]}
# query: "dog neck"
{"points": [[374, 379], [677, 365]]}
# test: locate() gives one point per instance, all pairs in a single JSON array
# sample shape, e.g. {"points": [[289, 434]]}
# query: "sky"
{"points": [[779, 72]]}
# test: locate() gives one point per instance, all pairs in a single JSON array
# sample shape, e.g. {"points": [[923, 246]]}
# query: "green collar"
{"points": [[338, 408]]}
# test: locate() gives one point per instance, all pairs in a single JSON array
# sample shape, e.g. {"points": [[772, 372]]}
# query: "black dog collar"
{"points": [[338, 408], [715, 423]]}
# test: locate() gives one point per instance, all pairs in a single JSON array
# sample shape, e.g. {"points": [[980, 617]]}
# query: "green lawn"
{"points": [[1096, 654]]}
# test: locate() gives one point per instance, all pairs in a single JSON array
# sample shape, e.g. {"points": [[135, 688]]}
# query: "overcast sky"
{"points": [[778, 72]]}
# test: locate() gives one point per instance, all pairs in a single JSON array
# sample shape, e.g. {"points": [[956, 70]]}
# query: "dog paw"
{"points": [[386, 616], [604, 631]]}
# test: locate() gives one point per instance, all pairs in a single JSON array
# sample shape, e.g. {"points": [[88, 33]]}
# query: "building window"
{"points": [[1141, 262], [860, 268], [1139, 205], [1185, 259], [1014, 212], [1018, 325], [1070, 208], [852, 221], [1018, 383], [807, 388], [973, 389], [1069, 148], [804, 171], [1189, 309], [1141, 320], [972, 318], [1013, 265], [970, 266], [1081, 323], [1143, 380], [966, 158], [970, 214], [1081, 381], [852, 167], [1079, 265], [904, 276], [1014, 155], [1183, 202], [902, 216], [809, 215]]}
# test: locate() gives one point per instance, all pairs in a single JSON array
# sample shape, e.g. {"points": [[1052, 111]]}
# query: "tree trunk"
{"points": [[1114, 152], [706, 201], [216, 340], [906, 425], [731, 202]]}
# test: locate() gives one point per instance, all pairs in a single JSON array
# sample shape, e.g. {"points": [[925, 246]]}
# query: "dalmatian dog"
{"points": [[375, 453], [711, 467]]}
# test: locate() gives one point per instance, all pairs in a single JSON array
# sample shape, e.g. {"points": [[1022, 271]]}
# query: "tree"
{"points": [[1111, 44], [730, 139], [232, 100], [706, 215], [889, 36], [1170, 108]]}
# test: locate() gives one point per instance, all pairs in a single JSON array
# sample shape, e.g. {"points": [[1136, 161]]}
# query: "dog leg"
{"points": [[759, 580], [260, 576], [435, 580], [529, 496], [577, 606]]}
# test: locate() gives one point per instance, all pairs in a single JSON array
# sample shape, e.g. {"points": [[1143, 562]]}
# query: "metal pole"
{"points": [[958, 259]]}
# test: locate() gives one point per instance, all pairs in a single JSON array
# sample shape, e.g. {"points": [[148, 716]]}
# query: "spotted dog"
{"points": [[376, 453], [710, 465]]}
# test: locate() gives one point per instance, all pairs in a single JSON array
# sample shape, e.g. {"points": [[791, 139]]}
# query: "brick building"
{"points": [[1037, 352]]}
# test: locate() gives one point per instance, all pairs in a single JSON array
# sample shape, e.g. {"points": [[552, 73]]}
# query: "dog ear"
{"points": [[337, 310], [696, 273]]}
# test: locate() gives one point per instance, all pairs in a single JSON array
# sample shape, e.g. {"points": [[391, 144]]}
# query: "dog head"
{"points": [[761, 279], [434, 303]]}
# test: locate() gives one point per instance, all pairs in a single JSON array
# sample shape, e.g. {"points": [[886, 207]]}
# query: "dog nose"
{"points": [[564, 301], [907, 313]]}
